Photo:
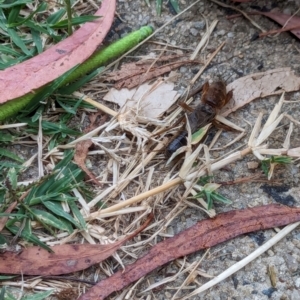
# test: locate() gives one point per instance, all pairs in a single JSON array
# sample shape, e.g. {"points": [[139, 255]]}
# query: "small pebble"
{"points": [[252, 165], [199, 25], [194, 31], [221, 32], [297, 283]]}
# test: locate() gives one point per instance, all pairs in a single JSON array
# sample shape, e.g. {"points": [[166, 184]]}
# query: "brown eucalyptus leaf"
{"points": [[132, 75], [65, 259], [284, 20], [204, 234], [36, 72], [260, 85]]}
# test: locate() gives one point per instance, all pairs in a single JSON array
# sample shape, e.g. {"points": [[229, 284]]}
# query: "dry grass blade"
{"points": [[204, 39], [244, 261], [240, 11], [206, 64]]}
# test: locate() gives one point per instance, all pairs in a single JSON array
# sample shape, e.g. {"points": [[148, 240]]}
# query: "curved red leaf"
{"points": [[34, 73]]}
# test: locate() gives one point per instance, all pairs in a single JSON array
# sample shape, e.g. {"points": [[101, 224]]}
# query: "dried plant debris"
{"points": [[64, 259], [289, 23], [148, 100], [260, 85], [204, 234], [135, 74], [82, 148]]}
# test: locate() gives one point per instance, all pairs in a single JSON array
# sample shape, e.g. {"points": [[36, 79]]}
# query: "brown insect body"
{"points": [[214, 97]]}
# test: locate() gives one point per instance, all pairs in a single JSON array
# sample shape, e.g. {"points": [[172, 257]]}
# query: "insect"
{"points": [[214, 97]]}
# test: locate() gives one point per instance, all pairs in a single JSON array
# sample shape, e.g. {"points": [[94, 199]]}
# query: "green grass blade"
{"points": [[2, 293], [58, 210], [38, 296], [77, 214], [55, 17], [12, 177], [69, 89], [11, 155], [158, 7], [175, 5], [14, 14], [74, 21], [37, 41], [51, 220], [40, 8], [14, 3], [17, 40], [27, 235], [7, 277]]}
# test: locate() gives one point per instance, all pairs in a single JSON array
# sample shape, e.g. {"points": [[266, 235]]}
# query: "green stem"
{"points": [[69, 14], [98, 59]]}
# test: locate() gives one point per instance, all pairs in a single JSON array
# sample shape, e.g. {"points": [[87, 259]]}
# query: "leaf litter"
{"points": [[135, 74], [82, 147], [145, 101], [260, 85], [121, 171], [204, 234]]}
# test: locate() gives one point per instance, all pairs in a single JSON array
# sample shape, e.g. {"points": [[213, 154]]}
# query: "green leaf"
{"points": [[41, 7], [199, 134], [37, 41], [14, 3], [51, 220], [38, 296], [6, 137], [57, 209], [3, 242], [217, 197], [158, 7], [2, 293], [69, 89], [13, 14], [7, 277], [12, 178], [175, 5], [77, 214], [9, 50], [204, 180], [55, 17], [27, 235], [209, 200], [281, 159], [75, 21], [17, 40], [11, 155]]}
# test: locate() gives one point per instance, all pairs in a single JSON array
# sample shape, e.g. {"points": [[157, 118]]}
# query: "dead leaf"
{"points": [[82, 148], [134, 74], [3, 220], [149, 100], [65, 259], [204, 234], [288, 21], [260, 85], [34, 73]]}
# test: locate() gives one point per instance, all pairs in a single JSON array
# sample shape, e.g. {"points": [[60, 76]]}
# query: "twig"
{"points": [[239, 10]]}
